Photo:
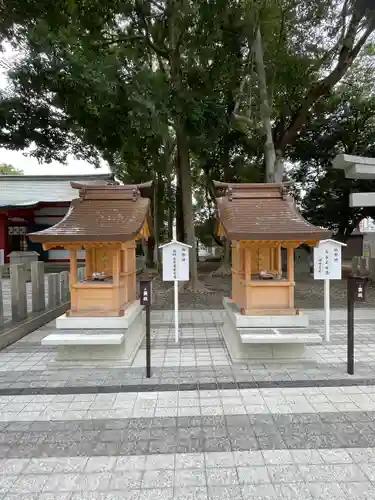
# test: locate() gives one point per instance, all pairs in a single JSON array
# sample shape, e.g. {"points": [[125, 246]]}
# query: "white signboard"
{"points": [[175, 268], [327, 260], [175, 261], [327, 266]]}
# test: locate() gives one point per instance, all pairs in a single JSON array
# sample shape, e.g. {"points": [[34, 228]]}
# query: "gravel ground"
{"points": [[308, 293]]}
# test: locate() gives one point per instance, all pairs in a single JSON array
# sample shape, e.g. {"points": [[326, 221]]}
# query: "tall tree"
{"points": [[122, 79], [145, 63], [313, 57]]}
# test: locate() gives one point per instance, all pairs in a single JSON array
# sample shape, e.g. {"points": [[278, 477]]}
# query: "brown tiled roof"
{"points": [[262, 212], [101, 213]]}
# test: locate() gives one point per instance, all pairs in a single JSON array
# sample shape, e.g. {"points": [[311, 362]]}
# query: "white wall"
{"points": [[64, 255]]}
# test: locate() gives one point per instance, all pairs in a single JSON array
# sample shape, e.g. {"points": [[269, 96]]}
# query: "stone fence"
{"points": [[30, 300]]}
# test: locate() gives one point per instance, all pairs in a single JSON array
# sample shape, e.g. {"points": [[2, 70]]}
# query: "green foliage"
{"points": [[116, 79], [344, 123], [7, 169]]}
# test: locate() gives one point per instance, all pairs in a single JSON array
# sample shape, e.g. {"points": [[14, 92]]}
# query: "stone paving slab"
{"points": [[327, 432], [199, 429]]}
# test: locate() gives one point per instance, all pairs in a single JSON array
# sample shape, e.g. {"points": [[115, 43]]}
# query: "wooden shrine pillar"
{"points": [[291, 275], [247, 278], [134, 270], [73, 267], [130, 270], [73, 279], [235, 271], [116, 277], [124, 266], [89, 262], [116, 267], [242, 280], [238, 276], [278, 259]]}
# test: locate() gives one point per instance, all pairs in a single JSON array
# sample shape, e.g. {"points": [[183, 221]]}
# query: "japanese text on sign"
{"points": [[145, 292], [175, 262], [320, 265], [327, 261]]}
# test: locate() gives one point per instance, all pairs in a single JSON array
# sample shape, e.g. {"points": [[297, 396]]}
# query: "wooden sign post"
{"points": [[175, 268], [327, 266]]}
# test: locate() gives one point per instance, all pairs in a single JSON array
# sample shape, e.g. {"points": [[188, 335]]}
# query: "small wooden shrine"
{"points": [[260, 220], [105, 221]]}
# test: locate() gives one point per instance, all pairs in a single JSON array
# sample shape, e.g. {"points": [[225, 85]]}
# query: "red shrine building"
{"points": [[30, 203]]}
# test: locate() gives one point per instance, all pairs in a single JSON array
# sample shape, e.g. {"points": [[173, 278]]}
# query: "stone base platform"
{"points": [[66, 322], [97, 339], [244, 321], [265, 337]]}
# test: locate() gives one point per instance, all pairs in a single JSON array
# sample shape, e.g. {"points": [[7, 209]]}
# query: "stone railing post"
{"points": [[18, 292], [53, 290], [1, 305], [37, 287], [64, 286]]}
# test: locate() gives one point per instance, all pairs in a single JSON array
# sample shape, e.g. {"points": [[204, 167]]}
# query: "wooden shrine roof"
{"points": [[102, 213], [262, 212]]}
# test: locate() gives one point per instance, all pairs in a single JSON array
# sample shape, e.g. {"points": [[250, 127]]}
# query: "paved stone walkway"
{"points": [[200, 428]]}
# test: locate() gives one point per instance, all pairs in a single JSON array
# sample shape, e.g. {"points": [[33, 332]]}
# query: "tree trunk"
{"points": [[169, 197], [180, 216], [225, 268], [265, 110], [150, 263], [187, 202], [144, 248], [156, 224], [171, 209], [226, 257], [183, 173]]}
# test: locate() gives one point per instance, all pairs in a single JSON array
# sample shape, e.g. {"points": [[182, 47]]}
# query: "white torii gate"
{"points": [[357, 167]]}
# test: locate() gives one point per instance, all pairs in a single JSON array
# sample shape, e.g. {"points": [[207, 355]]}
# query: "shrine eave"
{"points": [[263, 212], [99, 220]]}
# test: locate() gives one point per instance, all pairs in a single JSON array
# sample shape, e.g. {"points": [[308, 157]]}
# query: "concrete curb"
{"points": [[16, 331]]}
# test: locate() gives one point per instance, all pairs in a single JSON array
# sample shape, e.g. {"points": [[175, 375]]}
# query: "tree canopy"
{"points": [[186, 92]]}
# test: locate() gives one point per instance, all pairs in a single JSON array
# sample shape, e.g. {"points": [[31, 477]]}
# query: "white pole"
{"points": [[176, 310], [174, 237], [326, 311]]}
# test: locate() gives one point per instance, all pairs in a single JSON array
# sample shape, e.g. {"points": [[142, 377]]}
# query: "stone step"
{"points": [[85, 337], [279, 336]]}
